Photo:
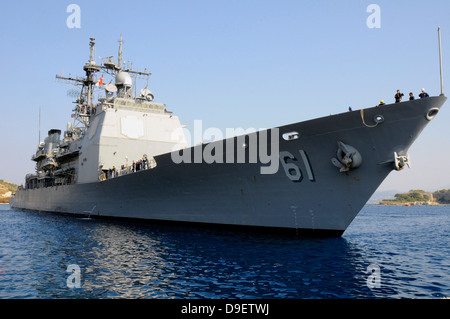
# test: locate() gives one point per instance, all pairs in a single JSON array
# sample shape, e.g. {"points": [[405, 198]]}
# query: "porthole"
{"points": [[432, 113], [378, 119]]}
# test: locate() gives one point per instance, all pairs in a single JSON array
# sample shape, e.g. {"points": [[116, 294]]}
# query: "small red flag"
{"points": [[100, 81]]}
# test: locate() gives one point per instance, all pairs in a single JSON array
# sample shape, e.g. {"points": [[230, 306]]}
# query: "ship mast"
{"points": [[119, 62], [440, 60], [85, 102], [91, 67]]}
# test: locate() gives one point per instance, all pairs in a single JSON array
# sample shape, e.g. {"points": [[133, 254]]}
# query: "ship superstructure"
{"points": [[107, 137]]}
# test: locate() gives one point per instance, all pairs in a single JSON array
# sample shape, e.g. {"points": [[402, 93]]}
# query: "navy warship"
{"points": [[126, 156]]}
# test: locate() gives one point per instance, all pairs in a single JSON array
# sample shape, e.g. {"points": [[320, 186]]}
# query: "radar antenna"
{"points": [[119, 65], [85, 107], [84, 102]]}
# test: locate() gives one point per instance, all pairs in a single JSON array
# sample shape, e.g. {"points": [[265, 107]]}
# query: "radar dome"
{"points": [[123, 79]]}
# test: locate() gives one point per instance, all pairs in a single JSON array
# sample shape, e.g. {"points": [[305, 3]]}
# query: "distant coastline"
{"points": [[419, 197], [7, 190], [394, 203]]}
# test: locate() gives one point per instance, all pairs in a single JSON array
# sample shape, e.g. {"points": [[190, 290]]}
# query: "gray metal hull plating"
{"points": [[320, 200]]}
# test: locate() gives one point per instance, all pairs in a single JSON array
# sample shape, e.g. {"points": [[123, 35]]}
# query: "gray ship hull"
{"points": [[308, 195]]}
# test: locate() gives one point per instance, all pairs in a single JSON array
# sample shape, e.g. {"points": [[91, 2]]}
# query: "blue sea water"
{"points": [[387, 252]]}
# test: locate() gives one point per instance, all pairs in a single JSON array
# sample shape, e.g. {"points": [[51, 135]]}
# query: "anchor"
{"points": [[347, 157], [400, 161]]}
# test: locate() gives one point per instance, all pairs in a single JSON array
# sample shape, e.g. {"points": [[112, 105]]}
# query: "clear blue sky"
{"points": [[245, 63]]}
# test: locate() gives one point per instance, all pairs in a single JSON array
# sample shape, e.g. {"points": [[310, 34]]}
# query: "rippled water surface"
{"points": [[387, 252]]}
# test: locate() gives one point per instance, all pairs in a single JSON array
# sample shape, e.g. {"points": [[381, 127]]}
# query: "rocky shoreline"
{"points": [[419, 198], [7, 190], [391, 203]]}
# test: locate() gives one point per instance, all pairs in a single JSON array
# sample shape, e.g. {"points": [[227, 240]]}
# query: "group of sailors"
{"points": [[398, 96], [139, 165]]}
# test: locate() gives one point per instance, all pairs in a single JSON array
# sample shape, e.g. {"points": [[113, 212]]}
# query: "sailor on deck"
{"points": [[398, 97], [423, 94]]}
